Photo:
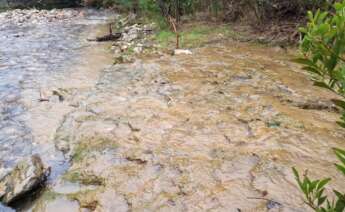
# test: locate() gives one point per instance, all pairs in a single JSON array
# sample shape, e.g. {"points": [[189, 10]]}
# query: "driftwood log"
{"points": [[109, 37]]}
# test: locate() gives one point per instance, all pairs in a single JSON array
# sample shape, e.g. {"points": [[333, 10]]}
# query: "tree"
{"points": [[170, 9]]}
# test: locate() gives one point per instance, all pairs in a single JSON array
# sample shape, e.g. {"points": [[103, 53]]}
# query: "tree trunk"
{"points": [[136, 6]]}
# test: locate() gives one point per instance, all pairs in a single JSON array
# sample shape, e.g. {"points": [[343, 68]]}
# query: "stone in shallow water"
{"points": [[27, 175]]}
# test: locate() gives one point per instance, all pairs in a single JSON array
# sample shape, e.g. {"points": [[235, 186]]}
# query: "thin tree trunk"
{"points": [[136, 6]]}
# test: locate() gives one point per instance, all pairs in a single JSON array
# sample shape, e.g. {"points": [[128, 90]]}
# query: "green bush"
{"points": [[323, 55], [323, 50]]}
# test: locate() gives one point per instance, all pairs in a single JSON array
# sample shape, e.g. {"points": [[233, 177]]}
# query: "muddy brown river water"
{"points": [[218, 130]]}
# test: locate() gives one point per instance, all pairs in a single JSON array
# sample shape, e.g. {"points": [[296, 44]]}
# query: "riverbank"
{"points": [[144, 37]]}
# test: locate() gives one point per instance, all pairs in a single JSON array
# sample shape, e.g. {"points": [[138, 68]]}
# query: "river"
{"points": [[217, 130], [40, 55]]}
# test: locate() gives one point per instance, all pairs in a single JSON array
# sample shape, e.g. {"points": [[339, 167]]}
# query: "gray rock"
{"points": [[138, 49], [25, 177]]}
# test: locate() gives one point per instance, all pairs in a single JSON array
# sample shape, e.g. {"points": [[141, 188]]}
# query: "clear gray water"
{"points": [[36, 50]]}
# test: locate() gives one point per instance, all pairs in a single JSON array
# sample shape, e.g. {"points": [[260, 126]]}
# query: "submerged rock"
{"points": [[25, 177]]}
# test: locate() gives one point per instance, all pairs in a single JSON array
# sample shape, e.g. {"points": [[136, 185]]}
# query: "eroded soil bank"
{"points": [[218, 130]]}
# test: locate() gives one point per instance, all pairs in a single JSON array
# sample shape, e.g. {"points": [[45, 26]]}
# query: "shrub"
{"points": [[314, 190], [323, 51]]}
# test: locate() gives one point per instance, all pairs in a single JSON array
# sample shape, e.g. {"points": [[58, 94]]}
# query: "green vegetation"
{"points": [[193, 36], [171, 15], [81, 153], [86, 199], [252, 10], [314, 190], [323, 50], [83, 178], [87, 146]]}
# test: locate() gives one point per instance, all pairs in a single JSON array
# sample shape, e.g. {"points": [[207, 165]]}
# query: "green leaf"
{"points": [[313, 185], [339, 103], [312, 70], [340, 168], [303, 30], [338, 6], [322, 183], [339, 195], [323, 15], [340, 203], [340, 123], [300, 184], [322, 85], [295, 172], [323, 28], [304, 61], [310, 16], [321, 200], [340, 154]]}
